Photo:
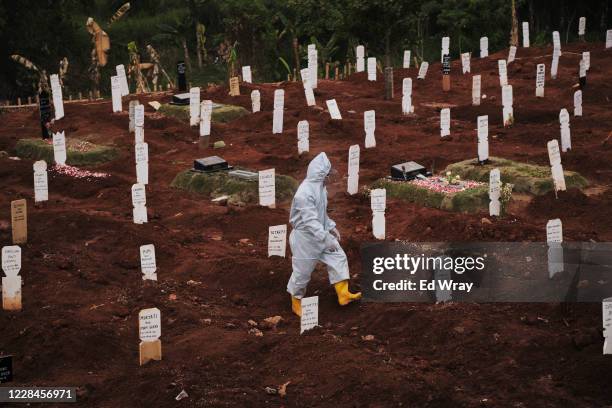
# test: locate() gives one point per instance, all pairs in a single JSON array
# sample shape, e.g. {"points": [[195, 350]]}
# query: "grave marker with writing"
{"points": [[255, 101], [554, 67], [131, 112], [446, 67], [608, 39], [476, 84], [581, 28], [423, 70], [578, 103], [445, 122], [141, 151], [586, 57], [116, 94], [360, 63], [267, 188], [206, 108], [6, 369], [234, 85], [557, 42], [41, 181], [406, 61], [564, 121], [607, 325], [507, 102], [554, 155], [445, 49], [511, 54], [11, 284], [148, 264], [503, 72], [310, 313], [149, 329], [303, 136], [369, 126], [58, 99], [371, 69], [465, 62], [279, 108], [494, 192], [484, 47], [378, 203], [138, 124], [59, 148], [525, 34], [246, 74], [313, 66], [483, 138], [19, 221], [125, 88], [332, 107], [139, 202], [194, 106], [353, 170], [583, 74], [540, 79], [407, 96], [277, 240], [554, 238]]}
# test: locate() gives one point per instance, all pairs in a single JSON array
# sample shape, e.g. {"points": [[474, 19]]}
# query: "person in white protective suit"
{"points": [[315, 238]]}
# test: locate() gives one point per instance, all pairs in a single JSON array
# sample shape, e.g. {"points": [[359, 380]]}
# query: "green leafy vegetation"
{"points": [[79, 152]]}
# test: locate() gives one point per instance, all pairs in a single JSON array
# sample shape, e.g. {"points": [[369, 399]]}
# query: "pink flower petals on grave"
{"points": [[440, 185], [75, 172]]}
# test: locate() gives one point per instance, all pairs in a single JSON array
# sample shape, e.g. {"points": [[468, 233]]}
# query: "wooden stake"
{"points": [[446, 83], [19, 221], [389, 83], [327, 70]]}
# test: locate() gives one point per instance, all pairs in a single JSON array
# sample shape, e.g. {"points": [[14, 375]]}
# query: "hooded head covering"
{"points": [[318, 168]]}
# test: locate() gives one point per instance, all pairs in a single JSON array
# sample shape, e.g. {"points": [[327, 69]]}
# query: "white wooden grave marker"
{"points": [[310, 313], [246, 74], [484, 47], [465, 62], [255, 101], [586, 57], [423, 70], [313, 66], [141, 151], [303, 136], [41, 181], [554, 238], [507, 102], [279, 110], [267, 188], [360, 64], [540, 79], [578, 103], [378, 203], [483, 138], [139, 124], [564, 122], [608, 39], [406, 62], [131, 113], [607, 325], [511, 54], [332, 107], [557, 42], [149, 328], [503, 72], [206, 108], [554, 67], [11, 284], [194, 106], [525, 34], [407, 107], [59, 148], [116, 94], [554, 155], [445, 47], [58, 99], [494, 192], [371, 69], [148, 264], [445, 122], [353, 170], [139, 202], [476, 83], [277, 240], [581, 26], [369, 126], [125, 88]]}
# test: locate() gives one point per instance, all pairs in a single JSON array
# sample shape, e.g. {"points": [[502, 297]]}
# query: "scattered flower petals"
{"points": [[75, 172], [440, 184]]}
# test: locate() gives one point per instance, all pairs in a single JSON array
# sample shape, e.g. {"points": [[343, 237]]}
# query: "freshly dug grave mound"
{"points": [[220, 114], [238, 190], [527, 178], [468, 197], [78, 152]]}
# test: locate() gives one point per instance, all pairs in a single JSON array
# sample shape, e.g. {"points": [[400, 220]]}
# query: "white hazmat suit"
{"points": [[311, 239]]}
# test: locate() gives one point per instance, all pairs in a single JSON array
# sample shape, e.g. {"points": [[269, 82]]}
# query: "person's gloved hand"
{"points": [[331, 244], [336, 233]]}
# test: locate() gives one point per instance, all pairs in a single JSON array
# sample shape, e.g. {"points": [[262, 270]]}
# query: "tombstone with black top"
{"points": [[446, 66], [6, 369], [181, 69], [44, 106]]}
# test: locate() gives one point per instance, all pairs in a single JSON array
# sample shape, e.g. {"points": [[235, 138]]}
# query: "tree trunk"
{"points": [[198, 48], [388, 48], [186, 51], [514, 30], [296, 56]]}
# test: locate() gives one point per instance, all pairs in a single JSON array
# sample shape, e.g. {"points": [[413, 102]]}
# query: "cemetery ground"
{"points": [[82, 285]]}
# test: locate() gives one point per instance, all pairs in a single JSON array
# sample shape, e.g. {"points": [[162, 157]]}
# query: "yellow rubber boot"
{"points": [[344, 296], [296, 306]]}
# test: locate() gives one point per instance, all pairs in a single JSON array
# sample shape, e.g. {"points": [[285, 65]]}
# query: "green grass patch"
{"points": [[240, 191], [467, 201], [220, 114], [78, 152], [527, 178]]}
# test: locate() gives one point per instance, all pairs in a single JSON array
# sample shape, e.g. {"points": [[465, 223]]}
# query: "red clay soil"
{"points": [[83, 290]]}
